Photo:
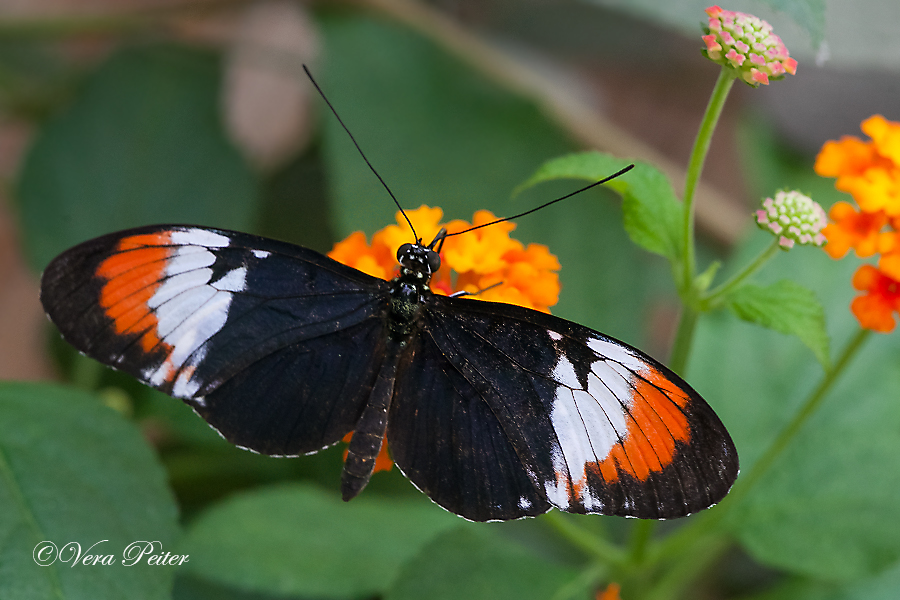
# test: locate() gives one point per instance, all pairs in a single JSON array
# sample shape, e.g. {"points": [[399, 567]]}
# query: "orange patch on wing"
{"points": [[656, 424], [122, 262], [138, 280], [161, 238], [132, 276]]}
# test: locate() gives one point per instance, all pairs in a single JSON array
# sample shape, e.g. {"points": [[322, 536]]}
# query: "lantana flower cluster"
{"points": [[471, 262], [870, 172], [794, 218], [746, 44]]}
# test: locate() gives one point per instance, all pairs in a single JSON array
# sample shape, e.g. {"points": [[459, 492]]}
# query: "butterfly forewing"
{"points": [[275, 345], [598, 426]]}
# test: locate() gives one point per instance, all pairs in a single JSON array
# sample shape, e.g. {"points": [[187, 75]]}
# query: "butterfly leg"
{"points": [[370, 429]]}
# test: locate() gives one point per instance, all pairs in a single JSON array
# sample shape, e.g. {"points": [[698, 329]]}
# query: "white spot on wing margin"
{"points": [[198, 237]]}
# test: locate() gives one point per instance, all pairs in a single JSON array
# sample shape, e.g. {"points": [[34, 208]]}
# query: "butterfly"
{"points": [[494, 411]]}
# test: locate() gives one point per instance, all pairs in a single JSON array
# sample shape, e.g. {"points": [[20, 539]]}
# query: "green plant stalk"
{"points": [[716, 296], [684, 338], [589, 578], [688, 567], [594, 545], [690, 539], [695, 166], [762, 465], [641, 533], [687, 322]]}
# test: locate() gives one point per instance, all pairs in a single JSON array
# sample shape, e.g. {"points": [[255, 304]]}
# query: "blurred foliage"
{"points": [[139, 145]]}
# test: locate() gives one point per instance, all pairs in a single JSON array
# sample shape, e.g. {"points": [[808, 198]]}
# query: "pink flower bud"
{"points": [[731, 36], [795, 218]]}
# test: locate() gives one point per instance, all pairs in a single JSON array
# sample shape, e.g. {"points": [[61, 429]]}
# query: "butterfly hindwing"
{"points": [[598, 426], [299, 398], [275, 345], [446, 440]]}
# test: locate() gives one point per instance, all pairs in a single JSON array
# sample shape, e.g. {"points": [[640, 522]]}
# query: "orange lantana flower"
{"points": [[875, 308], [870, 172], [610, 593], [852, 229], [471, 262]]}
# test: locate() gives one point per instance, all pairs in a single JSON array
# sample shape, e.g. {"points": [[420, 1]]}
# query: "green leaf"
{"points": [[825, 508], [74, 471], [464, 564], [304, 541], [798, 588], [141, 144], [786, 307], [652, 214], [883, 586]]}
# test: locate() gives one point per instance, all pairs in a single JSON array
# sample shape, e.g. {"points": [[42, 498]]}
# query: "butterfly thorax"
{"points": [[410, 288]]}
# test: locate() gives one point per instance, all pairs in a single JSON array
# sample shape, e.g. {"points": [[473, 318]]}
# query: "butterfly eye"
{"points": [[403, 250], [434, 261]]}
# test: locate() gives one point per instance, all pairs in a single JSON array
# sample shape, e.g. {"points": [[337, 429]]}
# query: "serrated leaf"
{"points": [[652, 214], [786, 307], [72, 470], [141, 144], [464, 564], [304, 541]]}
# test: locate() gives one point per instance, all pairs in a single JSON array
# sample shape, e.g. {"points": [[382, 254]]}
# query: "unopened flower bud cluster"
{"points": [[795, 217], [747, 44]]}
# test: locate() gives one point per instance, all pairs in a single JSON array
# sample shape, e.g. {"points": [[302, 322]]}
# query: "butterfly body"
{"points": [[494, 411]]}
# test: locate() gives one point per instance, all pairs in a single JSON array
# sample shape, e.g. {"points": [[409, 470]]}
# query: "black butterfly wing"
{"points": [[503, 411], [445, 438], [275, 345]]}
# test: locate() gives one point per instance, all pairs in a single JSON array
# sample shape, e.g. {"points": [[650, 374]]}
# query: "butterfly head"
{"points": [[426, 260]]}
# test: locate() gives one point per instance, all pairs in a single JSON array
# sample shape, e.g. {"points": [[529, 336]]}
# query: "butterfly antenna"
{"points": [[545, 205], [361, 153]]}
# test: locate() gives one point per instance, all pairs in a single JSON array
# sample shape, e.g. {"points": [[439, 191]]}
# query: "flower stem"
{"points": [[706, 526], [713, 298], [641, 533], [684, 338], [787, 434], [688, 567], [592, 544], [695, 167]]}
